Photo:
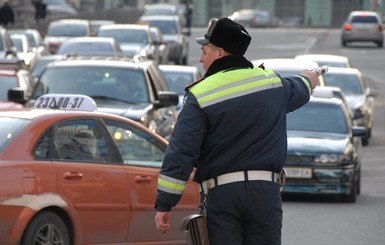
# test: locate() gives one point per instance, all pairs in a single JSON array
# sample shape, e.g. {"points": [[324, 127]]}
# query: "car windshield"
{"points": [[85, 48], [349, 84], [178, 81], [9, 129], [125, 35], [318, 117], [364, 19], [165, 27], [67, 30], [98, 82], [7, 82]]}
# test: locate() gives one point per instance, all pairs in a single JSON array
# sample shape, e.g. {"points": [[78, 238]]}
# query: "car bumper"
{"points": [[362, 38], [323, 181]]}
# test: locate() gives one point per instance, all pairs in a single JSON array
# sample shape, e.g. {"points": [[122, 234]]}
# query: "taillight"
{"points": [[348, 26]]}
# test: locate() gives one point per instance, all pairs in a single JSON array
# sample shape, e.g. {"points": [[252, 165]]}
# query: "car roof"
{"points": [[99, 61], [178, 68], [323, 57], [91, 39], [159, 17], [285, 63], [66, 21], [341, 70], [363, 12], [124, 26]]}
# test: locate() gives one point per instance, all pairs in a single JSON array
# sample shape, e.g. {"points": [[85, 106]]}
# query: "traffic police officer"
{"points": [[232, 129]]}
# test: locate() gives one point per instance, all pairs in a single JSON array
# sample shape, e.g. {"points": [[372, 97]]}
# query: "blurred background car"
{"points": [[174, 33], [7, 49], [96, 24], [363, 26], [57, 9], [288, 66], [66, 157], [358, 94], [329, 60], [14, 75], [35, 40], [161, 45], [253, 18], [178, 77], [165, 9], [38, 68], [25, 51], [134, 40], [61, 30], [136, 90], [91, 46], [324, 150]]}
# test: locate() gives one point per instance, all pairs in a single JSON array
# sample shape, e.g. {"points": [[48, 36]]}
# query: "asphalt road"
{"points": [[323, 220]]}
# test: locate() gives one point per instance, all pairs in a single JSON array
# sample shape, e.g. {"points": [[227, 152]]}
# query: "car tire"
{"points": [[352, 196], [45, 228], [365, 141], [343, 43], [380, 44]]}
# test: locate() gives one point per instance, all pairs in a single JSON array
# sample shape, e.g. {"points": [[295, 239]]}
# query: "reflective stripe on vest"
{"points": [[171, 185], [226, 85]]}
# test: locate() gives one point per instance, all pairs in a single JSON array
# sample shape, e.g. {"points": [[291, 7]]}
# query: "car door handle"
{"points": [[72, 175], [142, 179]]}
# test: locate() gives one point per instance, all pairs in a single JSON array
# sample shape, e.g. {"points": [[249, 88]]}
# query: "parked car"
{"points": [[61, 30], [358, 94], [14, 75], [134, 40], [161, 45], [288, 66], [324, 150], [363, 26], [58, 9], [79, 176], [178, 77], [91, 46], [253, 18], [329, 60], [136, 90], [174, 33]]}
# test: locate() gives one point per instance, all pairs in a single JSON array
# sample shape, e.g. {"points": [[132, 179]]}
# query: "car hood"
{"points": [[355, 101], [131, 49], [9, 105], [300, 141], [131, 111]]}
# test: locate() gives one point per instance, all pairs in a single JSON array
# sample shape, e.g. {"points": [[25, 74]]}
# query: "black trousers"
{"points": [[244, 213]]}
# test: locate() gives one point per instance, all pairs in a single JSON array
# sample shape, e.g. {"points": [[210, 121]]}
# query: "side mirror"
{"points": [[17, 95], [167, 98]]}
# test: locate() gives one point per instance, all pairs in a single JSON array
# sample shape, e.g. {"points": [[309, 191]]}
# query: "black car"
{"points": [[324, 150], [136, 90]]}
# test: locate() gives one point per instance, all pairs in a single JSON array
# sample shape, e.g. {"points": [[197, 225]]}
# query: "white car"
{"points": [[288, 66], [329, 60], [357, 92]]}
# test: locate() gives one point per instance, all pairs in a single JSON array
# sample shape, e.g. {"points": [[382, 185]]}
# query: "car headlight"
{"points": [[330, 158]]}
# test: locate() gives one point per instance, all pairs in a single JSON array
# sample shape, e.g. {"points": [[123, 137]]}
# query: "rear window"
{"points": [[364, 19], [9, 129]]}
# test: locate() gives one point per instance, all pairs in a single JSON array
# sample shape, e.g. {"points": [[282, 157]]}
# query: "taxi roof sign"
{"points": [[78, 102]]}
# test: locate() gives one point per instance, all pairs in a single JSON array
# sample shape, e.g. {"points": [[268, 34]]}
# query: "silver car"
{"points": [[363, 26]]}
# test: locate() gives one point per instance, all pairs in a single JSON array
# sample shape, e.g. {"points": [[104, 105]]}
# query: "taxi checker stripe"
{"points": [[171, 185], [238, 88]]}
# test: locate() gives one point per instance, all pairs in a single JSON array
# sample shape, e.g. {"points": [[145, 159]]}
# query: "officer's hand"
{"points": [[312, 76], [162, 221]]}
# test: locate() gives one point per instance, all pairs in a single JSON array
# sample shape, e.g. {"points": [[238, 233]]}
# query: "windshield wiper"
{"points": [[104, 97]]}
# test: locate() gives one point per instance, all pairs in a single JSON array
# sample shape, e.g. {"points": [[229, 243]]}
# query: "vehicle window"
{"points": [[85, 48], [7, 82], [67, 30], [9, 129], [348, 84], [319, 118], [76, 140], [364, 19], [136, 147], [125, 35], [177, 82], [165, 27], [95, 82]]}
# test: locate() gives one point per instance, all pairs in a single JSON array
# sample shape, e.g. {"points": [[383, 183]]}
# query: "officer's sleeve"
{"points": [[181, 155], [297, 90]]}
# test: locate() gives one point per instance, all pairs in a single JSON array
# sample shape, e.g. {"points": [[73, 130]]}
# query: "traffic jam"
{"points": [[86, 116]]}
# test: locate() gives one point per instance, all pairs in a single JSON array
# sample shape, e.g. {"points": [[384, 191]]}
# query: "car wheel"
{"points": [[343, 43], [352, 196], [46, 228], [380, 44]]}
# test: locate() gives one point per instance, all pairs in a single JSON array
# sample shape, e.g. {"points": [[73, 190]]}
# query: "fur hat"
{"points": [[226, 34]]}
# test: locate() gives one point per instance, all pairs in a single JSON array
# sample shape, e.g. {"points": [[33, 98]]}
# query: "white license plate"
{"points": [[298, 173]]}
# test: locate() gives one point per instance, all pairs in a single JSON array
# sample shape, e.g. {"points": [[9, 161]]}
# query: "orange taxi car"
{"points": [[76, 176]]}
